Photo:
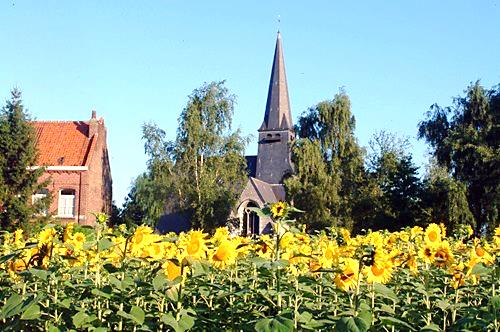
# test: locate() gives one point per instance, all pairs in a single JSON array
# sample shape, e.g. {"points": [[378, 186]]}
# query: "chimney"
{"points": [[93, 124]]}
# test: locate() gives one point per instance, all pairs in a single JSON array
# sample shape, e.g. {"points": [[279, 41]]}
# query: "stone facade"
{"points": [[76, 161]]}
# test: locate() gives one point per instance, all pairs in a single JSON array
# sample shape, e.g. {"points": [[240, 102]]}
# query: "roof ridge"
{"points": [[58, 121]]}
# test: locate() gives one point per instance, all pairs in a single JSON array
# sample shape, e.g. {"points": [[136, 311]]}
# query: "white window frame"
{"points": [[66, 204]]}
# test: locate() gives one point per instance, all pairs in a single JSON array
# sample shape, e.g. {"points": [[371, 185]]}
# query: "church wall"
{"points": [[273, 159]]}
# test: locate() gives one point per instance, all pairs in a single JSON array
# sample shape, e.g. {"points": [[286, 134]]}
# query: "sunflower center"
{"points": [[346, 277], [138, 238], [222, 253], [329, 254], [377, 271], [193, 246], [442, 255]]}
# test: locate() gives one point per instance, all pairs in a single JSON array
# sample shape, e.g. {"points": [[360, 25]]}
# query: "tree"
{"points": [[330, 171], [132, 212], [201, 172], [396, 202], [18, 178], [444, 199], [465, 140], [209, 159], [152, 190], [310, 188]]}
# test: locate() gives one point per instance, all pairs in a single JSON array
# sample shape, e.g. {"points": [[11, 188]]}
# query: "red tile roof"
{"points": [[62, 143]]}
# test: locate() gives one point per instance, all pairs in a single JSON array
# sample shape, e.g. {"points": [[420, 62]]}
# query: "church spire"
{"points": [[278, 115]]}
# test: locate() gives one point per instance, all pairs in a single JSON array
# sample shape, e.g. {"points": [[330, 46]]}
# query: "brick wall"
{"points": [[92, 187], [99, 176], [74, 180]]}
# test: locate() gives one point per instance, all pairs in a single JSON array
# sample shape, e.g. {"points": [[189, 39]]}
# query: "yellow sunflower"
{"points": [[194, 244], [330, 254], [348, 278], [458, 276], [46, 236], [380, 272], [426, 254], [171, 270], [411, 263], [497, 236], [443, 230], [278, 209], [156, 251], [18, 235], [140, 234], [381, 269], [264, 248], [224, 255], [221, 233], [432, 235], [346, 235], [287, 240], [416, 231], [479, 254], [68, 231], [79, 237], [443, 256], [17, 265]]}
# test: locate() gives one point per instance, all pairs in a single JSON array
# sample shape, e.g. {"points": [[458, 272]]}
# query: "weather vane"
{"points": [[279, 21]]}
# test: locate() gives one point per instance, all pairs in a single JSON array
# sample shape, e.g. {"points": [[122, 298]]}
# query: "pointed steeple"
{"points": [[278, 115]]}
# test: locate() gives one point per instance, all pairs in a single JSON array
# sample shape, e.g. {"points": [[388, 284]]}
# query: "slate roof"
{"points": [[62, 143], [268, 193], [278, 114]]}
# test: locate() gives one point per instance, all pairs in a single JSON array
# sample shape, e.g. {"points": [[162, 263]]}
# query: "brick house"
{"points": [[75, 157]]}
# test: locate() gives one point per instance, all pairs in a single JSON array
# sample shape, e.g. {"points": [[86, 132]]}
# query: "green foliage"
{"points": [[132, 212], [210, 165], [329, 165], [310, 186], [255, 294], [395, 186], [444, 199], [465, 139], [201, 172], [18, 181]]}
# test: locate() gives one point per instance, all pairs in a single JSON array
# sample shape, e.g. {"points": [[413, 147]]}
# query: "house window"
{"points": [[66, 206], [37, 197]]}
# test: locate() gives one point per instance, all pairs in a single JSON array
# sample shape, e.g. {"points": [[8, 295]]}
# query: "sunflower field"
{"points": [[74, 278]]}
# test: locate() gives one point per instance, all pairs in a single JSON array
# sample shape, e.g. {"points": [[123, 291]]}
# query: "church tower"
{"points": [[276, 132]]}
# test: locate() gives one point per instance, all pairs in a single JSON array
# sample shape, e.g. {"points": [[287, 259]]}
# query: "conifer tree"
{"points": [[397, 198], [18, 154]]}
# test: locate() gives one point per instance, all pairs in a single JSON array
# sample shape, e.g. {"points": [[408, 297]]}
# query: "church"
{"points": [[266, 170], [273, 160]]}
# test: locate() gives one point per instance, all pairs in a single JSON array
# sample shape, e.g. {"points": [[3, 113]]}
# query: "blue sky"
{"points": [[137, 61]]}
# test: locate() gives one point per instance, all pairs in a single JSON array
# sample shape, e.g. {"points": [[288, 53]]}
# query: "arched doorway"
{"points": [[250, 223]]}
